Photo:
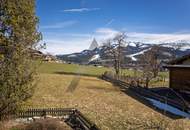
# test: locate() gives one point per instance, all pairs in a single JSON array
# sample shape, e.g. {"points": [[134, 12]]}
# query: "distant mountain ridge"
{"points": [[133, 52]]}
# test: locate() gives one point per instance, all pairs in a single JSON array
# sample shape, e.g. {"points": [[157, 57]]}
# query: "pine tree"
{"points": [[18, 35]]}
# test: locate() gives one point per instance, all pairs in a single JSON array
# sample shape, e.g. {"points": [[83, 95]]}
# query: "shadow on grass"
{"points": [[144, 101], [76, 73], [73, 84]]}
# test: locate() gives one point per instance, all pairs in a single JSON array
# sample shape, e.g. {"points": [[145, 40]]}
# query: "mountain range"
{"points": [[133, 52]]}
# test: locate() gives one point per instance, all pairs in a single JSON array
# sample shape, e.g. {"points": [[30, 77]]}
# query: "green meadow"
{"points": [[75, 69], [58, 68], [100, 101]]}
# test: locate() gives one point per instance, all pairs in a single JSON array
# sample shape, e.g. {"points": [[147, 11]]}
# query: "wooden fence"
{"points": [[75, 118], [148, 93]]}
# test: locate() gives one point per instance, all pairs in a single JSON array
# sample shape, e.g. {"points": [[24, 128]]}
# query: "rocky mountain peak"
{"points": [[93, 45]]}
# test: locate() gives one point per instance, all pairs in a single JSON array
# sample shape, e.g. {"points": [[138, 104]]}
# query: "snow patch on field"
{"points": [[132, 44], [175, 46], [169, 108], [144, 46], [73, 55], [184, 48], [95, 57], [132, 56]]}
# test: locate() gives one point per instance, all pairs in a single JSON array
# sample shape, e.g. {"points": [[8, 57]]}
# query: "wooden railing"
{"points": [[148, 93], [44, 112], [72, 117]]}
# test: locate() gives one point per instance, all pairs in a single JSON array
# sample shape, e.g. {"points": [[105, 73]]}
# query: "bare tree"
{"points": [[114, 51], [151, 64]]}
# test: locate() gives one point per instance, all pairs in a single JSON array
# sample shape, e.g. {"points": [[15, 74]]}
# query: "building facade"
{"points": [[179, 73]]}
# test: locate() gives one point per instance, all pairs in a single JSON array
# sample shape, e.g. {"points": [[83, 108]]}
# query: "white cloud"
{"points": [[81, 10], [59, 25], [62, 46], [105, 33], [65, 43], [53, 35], [157, 38]]}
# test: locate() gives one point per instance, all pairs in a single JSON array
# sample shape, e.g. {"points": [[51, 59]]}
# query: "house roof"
{"points": [[179, 60], [177, 66]]}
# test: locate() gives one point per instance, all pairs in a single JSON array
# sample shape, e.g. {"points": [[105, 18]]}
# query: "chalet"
{"points": [[179, 73], [35, 54], [49, 58]]}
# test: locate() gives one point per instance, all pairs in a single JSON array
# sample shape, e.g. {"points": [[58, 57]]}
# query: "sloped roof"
{"points": [[177, 66]]}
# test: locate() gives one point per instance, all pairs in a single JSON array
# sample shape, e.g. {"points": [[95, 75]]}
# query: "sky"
{"points": [[70, 25]]}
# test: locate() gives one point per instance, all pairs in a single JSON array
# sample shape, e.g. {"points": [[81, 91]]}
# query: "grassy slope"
{"points": [[100, 101]]}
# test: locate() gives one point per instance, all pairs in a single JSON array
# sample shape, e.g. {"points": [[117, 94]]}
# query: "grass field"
{"points": [[57, 68], [53, 68], [100, 101]]}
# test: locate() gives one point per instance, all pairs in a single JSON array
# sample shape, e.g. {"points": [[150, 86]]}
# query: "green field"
{"points": [[100, 101], [75, 69], [52, 68], [58, 68]]}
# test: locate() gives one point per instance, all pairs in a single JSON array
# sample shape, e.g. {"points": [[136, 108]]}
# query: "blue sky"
{"points": [[70, 25]]}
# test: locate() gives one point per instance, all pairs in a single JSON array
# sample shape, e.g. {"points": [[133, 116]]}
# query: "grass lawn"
{"points": [[58, 68], [103, 103], [53, 68], [100, 101]]}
